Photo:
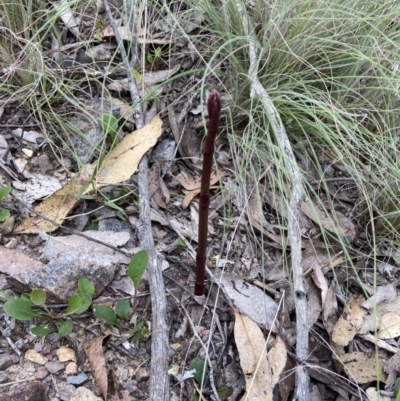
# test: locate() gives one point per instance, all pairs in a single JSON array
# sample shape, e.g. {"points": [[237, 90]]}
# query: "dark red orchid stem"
{"points": [[214, 111]]}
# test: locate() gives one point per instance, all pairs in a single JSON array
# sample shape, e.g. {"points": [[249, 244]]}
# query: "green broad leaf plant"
{"points": [[33, 306]]}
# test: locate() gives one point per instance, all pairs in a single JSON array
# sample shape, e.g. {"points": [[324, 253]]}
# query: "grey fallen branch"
{"points": [[159, 380], [297, 195]]}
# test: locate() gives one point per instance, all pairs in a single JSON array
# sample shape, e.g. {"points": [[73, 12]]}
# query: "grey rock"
{"points": [[52, 337], [54, 367], [142, 374], [3, 377], [5, 361], [38, 347], [77, 380]]}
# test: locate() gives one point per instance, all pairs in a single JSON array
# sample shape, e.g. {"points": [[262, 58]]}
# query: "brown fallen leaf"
{"points": [[116, 391], [191, 184], [363, 367], [251, 346], [95, 355], [123, 160], [117, 167], [56, 207], [191, 195], [350, 322], [154, 185], [320, 280]]}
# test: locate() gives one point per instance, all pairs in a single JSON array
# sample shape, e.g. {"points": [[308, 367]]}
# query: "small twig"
{"points": [[297, 195], [159, 379]]}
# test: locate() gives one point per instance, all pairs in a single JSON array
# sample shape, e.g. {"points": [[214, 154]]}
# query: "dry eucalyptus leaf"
{"points": [[320, 281], [191, 195], [56, 208], [191, 184], [389, 326], [123, 160], [350, 322], [248, 299], [117, 167], [252, 350], [277, 358], [95, 355], [363, 367], [337, 224]]}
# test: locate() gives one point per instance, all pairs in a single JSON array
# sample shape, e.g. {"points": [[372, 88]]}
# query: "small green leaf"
{"points": [[397, 389], [78, 303], [112, 205], [109, 124], [65, 328], [224, 391], [106, 313], [157, 52], [201, 369], [181, 242], [20, 309], [137, 267], [4, 215], [120, 215], [123, 308], [150, 59], [4, 192], [97, 37], [86, 286], [40, 331], [138, 77], [38, 297]]}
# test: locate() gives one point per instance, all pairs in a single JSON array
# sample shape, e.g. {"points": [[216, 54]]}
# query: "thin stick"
{"points": [[297, 195], [214, 111], [159, 380]]}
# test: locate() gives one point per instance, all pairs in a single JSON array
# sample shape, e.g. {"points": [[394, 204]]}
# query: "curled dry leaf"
{"points": [[191, 195], [95, 355], [320, 281], [192, 184]]}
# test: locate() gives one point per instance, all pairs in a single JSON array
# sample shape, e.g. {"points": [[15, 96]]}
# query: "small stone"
{"points": [[38, 347], [29, 367], [3, 377], [83, 393], [71, 369], [12, 244], [34, 356], [5, 361], [54, 367], [27, 152], [142, 375], [77, 380], [41, 373], [130, 388], [53, 337], [67, 392], [66, 354], [8, 225], [20, 344], [44, 163]]}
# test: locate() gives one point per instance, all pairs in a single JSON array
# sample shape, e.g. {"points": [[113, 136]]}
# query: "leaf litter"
{"points": [[337, 310]]}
